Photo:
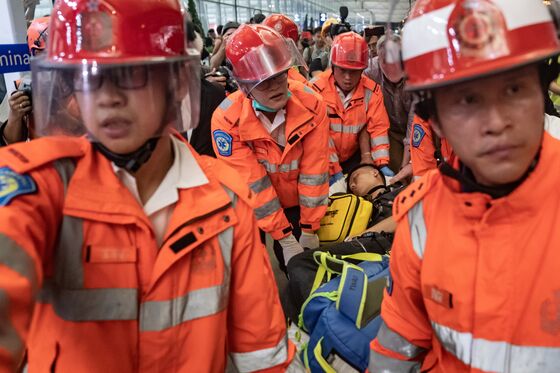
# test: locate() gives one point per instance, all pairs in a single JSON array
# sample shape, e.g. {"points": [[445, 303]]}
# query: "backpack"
{"points": [[342, 316], [346, 215]]}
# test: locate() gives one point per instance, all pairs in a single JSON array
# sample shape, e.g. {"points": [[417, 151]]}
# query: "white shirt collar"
{"points": [[345, 99], [184, 173]]}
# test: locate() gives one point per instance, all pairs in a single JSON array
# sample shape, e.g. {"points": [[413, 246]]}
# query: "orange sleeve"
{"points": [[378, 129], [421, 148], [313, 180], [256, 325], [406, 333], [28, 228], [238, 155]]}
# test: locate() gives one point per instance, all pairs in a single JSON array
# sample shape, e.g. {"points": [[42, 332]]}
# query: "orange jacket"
{"points": [[296, 175], [111, 300], [422, 148], [294, 74], [366, 110], [475, 285]]}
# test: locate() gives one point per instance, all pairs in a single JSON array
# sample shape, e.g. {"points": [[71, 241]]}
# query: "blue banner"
{"points": [[14, 58]]}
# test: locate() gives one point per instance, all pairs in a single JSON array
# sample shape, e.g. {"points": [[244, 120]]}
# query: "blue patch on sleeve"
{"points": [[223, 142], [417, 135], [13, 184]]}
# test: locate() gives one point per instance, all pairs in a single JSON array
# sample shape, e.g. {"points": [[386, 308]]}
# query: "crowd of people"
{"points": [[143, 165]]}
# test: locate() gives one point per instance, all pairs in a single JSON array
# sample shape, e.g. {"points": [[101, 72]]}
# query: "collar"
{"points": [[184, 173], [540, 182], [279, 119]]}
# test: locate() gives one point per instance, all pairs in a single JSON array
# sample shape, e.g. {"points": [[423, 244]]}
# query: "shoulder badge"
{"points": [[417, 135], [412, 194], [13, 184], [223, 142]]}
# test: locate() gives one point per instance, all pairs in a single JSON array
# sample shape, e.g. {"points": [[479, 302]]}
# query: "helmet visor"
{"points": [[80, 98], [264, 62]]}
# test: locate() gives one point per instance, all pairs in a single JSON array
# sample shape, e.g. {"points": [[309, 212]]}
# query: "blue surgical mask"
{"points": [[258, 106]]}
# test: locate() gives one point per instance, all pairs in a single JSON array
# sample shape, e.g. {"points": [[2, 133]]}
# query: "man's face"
{"points": [[346, 79], [372, 46], [363, 180], [495, 124], [318, 39], [124, 119], [272, 93]]}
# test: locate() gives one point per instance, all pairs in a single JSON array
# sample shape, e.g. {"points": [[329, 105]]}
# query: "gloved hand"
{"points": [[309, 240], [387, 171], [337, 184], [290, 248]]}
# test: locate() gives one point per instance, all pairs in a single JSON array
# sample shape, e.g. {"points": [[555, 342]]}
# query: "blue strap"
{"points": [[352, 293]]}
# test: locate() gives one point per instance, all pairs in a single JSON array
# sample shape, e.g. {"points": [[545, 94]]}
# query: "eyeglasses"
{"points": [[265, 85], [128, 77]]}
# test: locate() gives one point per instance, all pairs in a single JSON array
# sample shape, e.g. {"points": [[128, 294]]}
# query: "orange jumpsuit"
{"points": [[422, 148], [108, 298], [294, 74], [475, 285], [281, 178], [366, 109]]}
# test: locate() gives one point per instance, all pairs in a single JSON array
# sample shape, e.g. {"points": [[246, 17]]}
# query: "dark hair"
{"points": [[219, 29], [258, 18], [229, 25], [211, 30], [362, 165], [317, 30]]}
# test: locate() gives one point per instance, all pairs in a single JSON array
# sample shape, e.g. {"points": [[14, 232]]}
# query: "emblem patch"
{"points": [[223, 142], [418, 135], [13, 184]]}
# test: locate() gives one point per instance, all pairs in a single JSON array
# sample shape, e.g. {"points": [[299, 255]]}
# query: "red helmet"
{"points": [[37, 34], [116, 31], [349, 51], [257, 53], [285, 26], [447, 41]]}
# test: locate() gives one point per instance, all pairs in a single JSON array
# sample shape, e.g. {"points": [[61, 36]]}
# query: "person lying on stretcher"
{"points": [[368, 182]]}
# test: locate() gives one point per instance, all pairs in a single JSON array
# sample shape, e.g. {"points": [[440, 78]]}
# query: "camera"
{"points": [[231, 84], [25, 87]]}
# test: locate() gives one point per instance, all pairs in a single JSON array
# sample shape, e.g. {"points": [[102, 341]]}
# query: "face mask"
{"points": [[260, 107]]}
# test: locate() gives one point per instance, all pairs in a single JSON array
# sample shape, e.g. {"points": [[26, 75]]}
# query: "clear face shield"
{"points": [[109, 101], [265, 62]]}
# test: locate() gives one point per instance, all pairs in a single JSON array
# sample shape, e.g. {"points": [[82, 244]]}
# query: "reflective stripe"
{"points": [[367, 98], [383, 153], [313, 180], [312, 202], [91, 304], [497, 356], [261, 184], [17, 259], [273, 168], [379, 363], [261, 359], [333, 158], [267, 209], [226, 104], [9, 338], [342, 128], [69, 271], [394, 342], [306, 89], [379, 140], [331, 142], [414, 178], [418, 233]]}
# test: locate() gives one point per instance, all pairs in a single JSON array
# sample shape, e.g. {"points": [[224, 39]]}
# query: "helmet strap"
{"points": [[131, 162]]}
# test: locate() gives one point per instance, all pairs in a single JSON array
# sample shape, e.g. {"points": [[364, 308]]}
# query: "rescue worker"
{"points": [[131, 252], [288, 29], [276, 138], [398, 104], [427, 149], [474, 263], [19, 126], [355, 103]]}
